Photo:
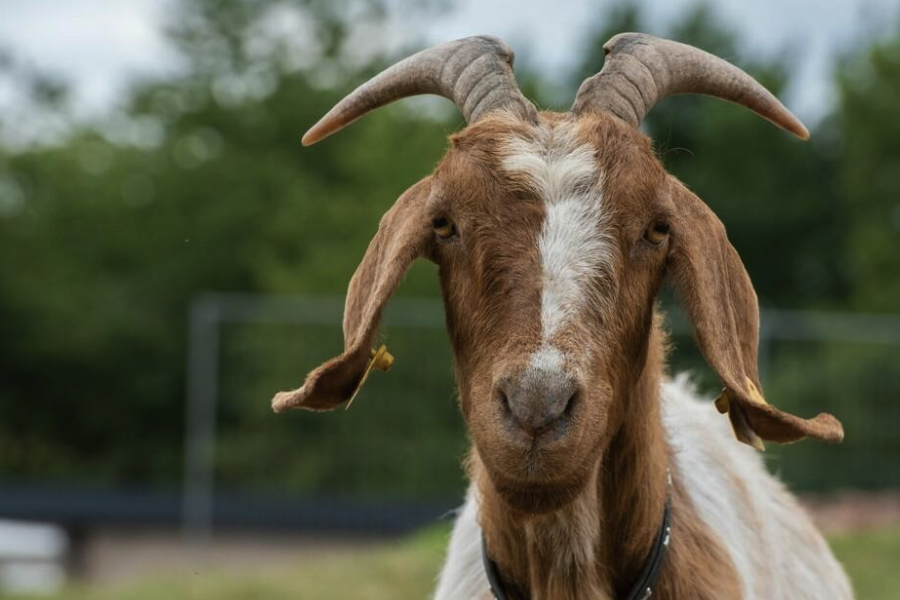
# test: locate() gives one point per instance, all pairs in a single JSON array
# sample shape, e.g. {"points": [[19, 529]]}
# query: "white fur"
{"points": [[548, 359], [776, 550], [571, 249], [562, 171], [463, 576]]}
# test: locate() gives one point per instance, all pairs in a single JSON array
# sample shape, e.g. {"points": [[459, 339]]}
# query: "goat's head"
{"points": [[553, 234]]}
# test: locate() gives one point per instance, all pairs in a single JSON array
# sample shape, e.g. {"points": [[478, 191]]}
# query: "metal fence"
{"points": [[402, 444]]}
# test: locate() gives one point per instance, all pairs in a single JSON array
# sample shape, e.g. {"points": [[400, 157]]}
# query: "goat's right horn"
{"points": [[640, 70], [476, 73]]}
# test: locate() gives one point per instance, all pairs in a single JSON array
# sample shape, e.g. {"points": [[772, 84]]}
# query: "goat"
{"points": [[553, 233]]}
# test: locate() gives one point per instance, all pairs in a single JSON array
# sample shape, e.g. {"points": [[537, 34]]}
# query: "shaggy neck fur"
{"points": [[595, 547]]}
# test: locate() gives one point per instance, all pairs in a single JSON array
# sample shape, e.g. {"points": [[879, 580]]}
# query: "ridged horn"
{"points": [[476, 73], [640, 70]]}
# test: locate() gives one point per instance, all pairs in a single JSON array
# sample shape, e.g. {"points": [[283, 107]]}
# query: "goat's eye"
{"points": [[444, 228], [657, 232]]}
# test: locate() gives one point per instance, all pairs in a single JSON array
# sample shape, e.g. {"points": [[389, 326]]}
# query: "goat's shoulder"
{"points": [[772, 542]]}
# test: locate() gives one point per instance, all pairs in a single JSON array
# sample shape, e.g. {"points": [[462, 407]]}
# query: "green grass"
{"points": [[873, 560], [407, 570]]}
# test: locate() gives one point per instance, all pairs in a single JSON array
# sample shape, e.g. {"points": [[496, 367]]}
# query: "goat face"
{"points": [[553, 233], [551, 249]]}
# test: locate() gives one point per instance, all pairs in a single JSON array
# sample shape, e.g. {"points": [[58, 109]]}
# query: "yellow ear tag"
{"points": [[754, 393], [381, 360], [723, 402], [742, 430]]}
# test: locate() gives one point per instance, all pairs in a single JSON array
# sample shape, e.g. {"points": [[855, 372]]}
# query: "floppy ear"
{"points": [[403, 235], [719, 299]]}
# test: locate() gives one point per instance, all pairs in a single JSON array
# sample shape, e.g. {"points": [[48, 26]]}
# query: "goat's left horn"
{"points": [[476, 73], [640, 70]]}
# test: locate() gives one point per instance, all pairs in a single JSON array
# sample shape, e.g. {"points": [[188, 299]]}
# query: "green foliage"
{"points": [[105, 244], [857, 382], [869, 175]]}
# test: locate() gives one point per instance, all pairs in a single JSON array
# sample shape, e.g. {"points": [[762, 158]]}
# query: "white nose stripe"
{"points": [[547, 359], [573, 247]]}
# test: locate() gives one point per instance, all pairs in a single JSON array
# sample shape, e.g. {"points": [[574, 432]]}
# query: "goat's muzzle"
{"points": [[536, 404]]}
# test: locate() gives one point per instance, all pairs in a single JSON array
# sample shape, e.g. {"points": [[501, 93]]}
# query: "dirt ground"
{"points": [[851, 510], [117, 556], [120, 556]]}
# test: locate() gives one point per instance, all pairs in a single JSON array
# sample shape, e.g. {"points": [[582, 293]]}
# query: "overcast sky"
{"points": [[99, 44]]}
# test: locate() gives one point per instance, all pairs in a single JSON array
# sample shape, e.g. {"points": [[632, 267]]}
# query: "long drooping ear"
{"points": [[403, 236], [719, 299]]}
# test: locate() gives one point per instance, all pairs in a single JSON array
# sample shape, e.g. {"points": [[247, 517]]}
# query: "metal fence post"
{"points": [[202, 395]]}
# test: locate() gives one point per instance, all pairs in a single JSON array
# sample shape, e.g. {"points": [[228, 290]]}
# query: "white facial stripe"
{"points": [[572, 250], [572, 244], [555, 162], [547, 359]]}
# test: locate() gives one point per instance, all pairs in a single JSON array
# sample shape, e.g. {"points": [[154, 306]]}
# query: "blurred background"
{"points": [[170, 257]]}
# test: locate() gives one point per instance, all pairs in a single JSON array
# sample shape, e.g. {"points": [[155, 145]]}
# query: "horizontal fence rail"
{"points": [[784, 336]]}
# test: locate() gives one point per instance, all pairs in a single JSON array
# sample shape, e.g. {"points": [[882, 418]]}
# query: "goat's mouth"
{"points": [[535, 479], [535, 445], [538, 498]]}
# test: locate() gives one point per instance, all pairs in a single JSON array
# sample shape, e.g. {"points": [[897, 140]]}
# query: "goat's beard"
{"points": [[537, 497]]}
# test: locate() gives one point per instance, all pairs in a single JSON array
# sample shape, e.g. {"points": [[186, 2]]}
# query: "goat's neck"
{"points": [[595, 546]]}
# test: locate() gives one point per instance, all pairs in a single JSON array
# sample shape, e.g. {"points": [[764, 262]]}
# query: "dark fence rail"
{"points": [[84, 509]]}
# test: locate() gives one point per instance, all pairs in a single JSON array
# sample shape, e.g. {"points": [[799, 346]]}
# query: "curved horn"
{"points": [[640, 70], [476, 73]]}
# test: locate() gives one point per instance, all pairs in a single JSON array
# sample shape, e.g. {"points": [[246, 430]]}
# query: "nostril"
{"points": [[570, 404], [504, 401]]}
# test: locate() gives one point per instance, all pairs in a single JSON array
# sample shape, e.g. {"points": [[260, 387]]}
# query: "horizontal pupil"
{"points": [[662, 228], [439, 223]]}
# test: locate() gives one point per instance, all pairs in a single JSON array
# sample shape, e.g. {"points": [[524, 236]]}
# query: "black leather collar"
{"points": [[649, 575]]}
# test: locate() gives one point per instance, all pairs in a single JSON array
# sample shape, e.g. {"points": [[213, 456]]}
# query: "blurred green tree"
{"points": [[200, 184], [868, 127]]}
